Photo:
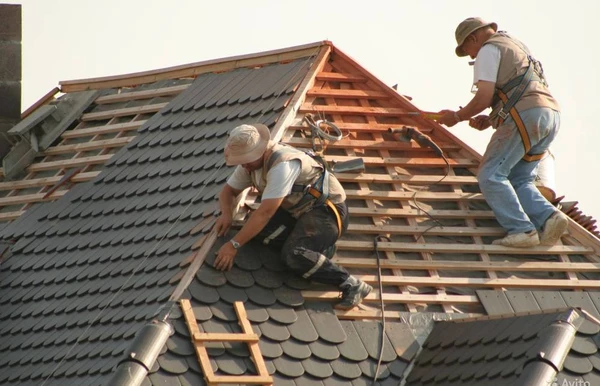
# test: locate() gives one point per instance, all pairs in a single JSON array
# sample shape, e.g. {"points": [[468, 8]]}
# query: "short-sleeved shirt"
{"points": [[487, 64], [280, 179]]}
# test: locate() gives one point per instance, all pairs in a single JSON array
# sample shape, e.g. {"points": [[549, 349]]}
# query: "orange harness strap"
{"points": [[522, 130], [315, 193]]}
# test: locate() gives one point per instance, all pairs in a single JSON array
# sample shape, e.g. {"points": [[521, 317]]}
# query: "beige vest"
{"points": [[309, 174], [514, 62]]}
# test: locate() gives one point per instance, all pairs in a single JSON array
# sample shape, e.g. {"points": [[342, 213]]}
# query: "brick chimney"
{"points": [[10, 72]]}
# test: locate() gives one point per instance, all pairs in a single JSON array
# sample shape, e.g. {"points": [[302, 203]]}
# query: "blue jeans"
{"points": [[506, 180]]}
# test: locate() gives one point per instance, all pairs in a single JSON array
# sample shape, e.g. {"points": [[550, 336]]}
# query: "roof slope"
{"points": [[94, 266], [583, 360], [302, 342], [122, 239], [509, 350]]}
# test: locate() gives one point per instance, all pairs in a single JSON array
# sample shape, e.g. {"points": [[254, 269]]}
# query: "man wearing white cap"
{"points": [[526, 117], [301, 214]]}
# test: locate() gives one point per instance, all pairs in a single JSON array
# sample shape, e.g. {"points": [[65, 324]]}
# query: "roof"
{"points": [[508, 350], [583, 359], [109, 226]]}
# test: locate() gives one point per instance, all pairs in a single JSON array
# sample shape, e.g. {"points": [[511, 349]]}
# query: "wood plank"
{"points": [[398, 178], [347, 94], [100, 115], [255, 353], [145, 94], [69, 163], [224, 337], [38, 182], [396, 298], [370, 145], [462, 248], [436, 213], [359, 110], [30, 198], [241, 380], [482, 282], [105, 129], [422, 196], [338, 77], [525, 266], [201, 353], [367, 127], [415, 229], [372, 314], [87, 146], [9, 216], [407, 161]]}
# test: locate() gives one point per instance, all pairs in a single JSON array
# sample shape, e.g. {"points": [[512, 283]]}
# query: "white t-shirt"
{"points": [[487, 64], [280, 179]]}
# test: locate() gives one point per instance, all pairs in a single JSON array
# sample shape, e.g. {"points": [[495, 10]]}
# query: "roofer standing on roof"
{"points": [[526, 117], [290, 218]]}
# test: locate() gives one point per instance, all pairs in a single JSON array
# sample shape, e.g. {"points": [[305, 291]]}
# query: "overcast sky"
{"points": [[410, 43]]}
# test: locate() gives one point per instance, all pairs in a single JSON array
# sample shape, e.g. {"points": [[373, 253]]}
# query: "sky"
{"points": [[409, 43]]}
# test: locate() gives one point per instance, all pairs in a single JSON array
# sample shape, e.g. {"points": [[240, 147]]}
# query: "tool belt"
{"points": [[508, 105]]}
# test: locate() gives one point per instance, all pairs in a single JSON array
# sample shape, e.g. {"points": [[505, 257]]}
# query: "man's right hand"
{"points": [[480, 122], [223, 224]]}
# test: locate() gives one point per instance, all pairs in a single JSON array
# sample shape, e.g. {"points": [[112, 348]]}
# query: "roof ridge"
{"points": [[193, 69]]}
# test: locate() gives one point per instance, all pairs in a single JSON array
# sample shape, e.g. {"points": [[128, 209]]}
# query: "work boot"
{"points": [[519, 240], [353, 291], [554, 227]]}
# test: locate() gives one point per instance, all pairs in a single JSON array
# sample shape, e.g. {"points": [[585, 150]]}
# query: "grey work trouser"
{"points": [[301, 242]]}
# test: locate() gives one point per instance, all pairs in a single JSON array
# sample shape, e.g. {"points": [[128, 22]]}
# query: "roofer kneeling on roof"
{"points": [[526, 117], [301, 214]]}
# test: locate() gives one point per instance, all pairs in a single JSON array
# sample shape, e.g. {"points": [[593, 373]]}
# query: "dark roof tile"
{"points": [[270, 349], [260, 296], [289, 297], [326, 322], [239, 277], [346, 369], [282, 314], [352, 348], [370, 335], [324, 350], [295, 349], [289, 367], [577, 364], [274, 331], [317, 367]]}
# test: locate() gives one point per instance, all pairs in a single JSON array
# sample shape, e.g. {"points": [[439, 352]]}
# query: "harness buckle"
{"points": [[502, 114]]}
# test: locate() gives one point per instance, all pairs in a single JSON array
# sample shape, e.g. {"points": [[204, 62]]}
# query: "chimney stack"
{"points": [[10, 72]]}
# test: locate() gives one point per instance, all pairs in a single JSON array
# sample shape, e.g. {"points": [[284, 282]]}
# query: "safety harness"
{"points": [[319, 191], [534, 72]]}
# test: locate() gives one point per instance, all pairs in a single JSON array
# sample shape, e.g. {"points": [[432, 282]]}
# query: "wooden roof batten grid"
{"points": [[81, 148], [339, 82]]}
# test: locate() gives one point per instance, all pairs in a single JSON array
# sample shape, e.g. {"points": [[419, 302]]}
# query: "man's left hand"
{"points": [[449, 118], [225, 257]]}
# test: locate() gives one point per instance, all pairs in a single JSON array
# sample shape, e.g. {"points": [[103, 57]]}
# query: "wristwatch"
{"points": [[235, 244]]}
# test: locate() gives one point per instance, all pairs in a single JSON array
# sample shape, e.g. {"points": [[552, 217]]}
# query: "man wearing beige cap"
{"points": [[301, 214], [526, 117]]}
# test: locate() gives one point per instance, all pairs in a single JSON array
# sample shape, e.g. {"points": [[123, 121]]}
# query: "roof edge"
{"points": [[555, 342], [193, 69]]}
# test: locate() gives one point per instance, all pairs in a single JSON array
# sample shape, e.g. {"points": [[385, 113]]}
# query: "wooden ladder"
{"points": [[248, 336]]}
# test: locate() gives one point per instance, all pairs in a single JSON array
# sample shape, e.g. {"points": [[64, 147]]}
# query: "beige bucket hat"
{"points": [[466, 28], [246, 143]]}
